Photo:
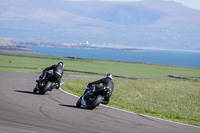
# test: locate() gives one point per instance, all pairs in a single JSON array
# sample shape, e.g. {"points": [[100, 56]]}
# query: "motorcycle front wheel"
{"points": [[78, 103], [35, 89]]}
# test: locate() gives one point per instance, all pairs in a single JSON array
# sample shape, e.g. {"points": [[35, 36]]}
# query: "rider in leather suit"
{"points": [[106, 82], [56, 75]]}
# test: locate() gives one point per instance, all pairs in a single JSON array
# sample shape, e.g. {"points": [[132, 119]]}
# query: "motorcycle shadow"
{"points": [[73, 106], [26, 92]]}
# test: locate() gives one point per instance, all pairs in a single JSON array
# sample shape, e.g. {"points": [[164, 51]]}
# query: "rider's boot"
{"points": [[57, 86]]}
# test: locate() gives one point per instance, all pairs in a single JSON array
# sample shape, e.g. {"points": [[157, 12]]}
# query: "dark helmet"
{"points": [[110, 76], [61, 64]]}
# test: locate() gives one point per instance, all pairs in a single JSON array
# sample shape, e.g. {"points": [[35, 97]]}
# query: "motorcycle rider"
{"points": [[106, 82], [56, 75]]}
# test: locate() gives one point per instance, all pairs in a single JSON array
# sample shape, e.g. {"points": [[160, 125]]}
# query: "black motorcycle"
{"points": [[45, 84], [92, 97]]}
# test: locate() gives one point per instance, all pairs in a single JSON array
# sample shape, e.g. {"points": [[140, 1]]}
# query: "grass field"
{"points": [[153, 93], [35, 63]]}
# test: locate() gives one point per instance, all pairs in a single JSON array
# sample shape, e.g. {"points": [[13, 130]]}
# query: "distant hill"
{"points": [[149, 23], [9, 46]]}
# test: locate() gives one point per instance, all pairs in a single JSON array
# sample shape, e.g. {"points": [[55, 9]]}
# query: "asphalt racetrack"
{"points": [[22, 111]]}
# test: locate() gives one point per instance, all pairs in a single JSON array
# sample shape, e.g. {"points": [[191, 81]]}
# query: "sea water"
{"points": [[162, 57]]}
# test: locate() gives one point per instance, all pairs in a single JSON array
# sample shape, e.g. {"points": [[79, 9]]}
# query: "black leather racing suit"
{"points": [[107, 82], [57, 73]]}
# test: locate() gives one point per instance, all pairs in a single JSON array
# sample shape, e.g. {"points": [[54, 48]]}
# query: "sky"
{"points": [[195, 4]]}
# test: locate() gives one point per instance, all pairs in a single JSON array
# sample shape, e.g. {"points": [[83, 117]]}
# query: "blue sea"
{"points": [[162, 57]]}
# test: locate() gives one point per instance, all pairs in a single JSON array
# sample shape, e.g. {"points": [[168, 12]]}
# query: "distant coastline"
{"points": [[22, 46], [144, 48], [15, 46]]}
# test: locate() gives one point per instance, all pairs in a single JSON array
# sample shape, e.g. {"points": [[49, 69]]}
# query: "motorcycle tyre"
{"points": [[35, 89], [78, 103], [45, 88], [95, 103]]}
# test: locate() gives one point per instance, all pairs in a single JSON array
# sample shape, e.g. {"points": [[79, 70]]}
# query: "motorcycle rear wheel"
{"points": [[95, 103], [45, 88]]}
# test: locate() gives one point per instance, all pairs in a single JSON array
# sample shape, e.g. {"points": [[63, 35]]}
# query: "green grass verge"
{"points": [[167, 99], [160, 96]]}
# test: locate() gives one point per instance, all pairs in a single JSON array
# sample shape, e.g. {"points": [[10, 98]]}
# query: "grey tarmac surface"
{"points": [[21, 111]]}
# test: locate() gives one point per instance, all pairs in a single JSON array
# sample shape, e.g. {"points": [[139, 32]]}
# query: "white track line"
{"points": [[132, 112]]}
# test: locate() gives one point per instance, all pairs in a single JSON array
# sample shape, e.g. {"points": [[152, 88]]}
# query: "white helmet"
{"points": [[110, 76], [61, 64]]}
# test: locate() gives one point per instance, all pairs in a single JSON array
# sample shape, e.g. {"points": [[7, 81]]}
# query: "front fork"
{"points": [[88, 90], [83, 102]]}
